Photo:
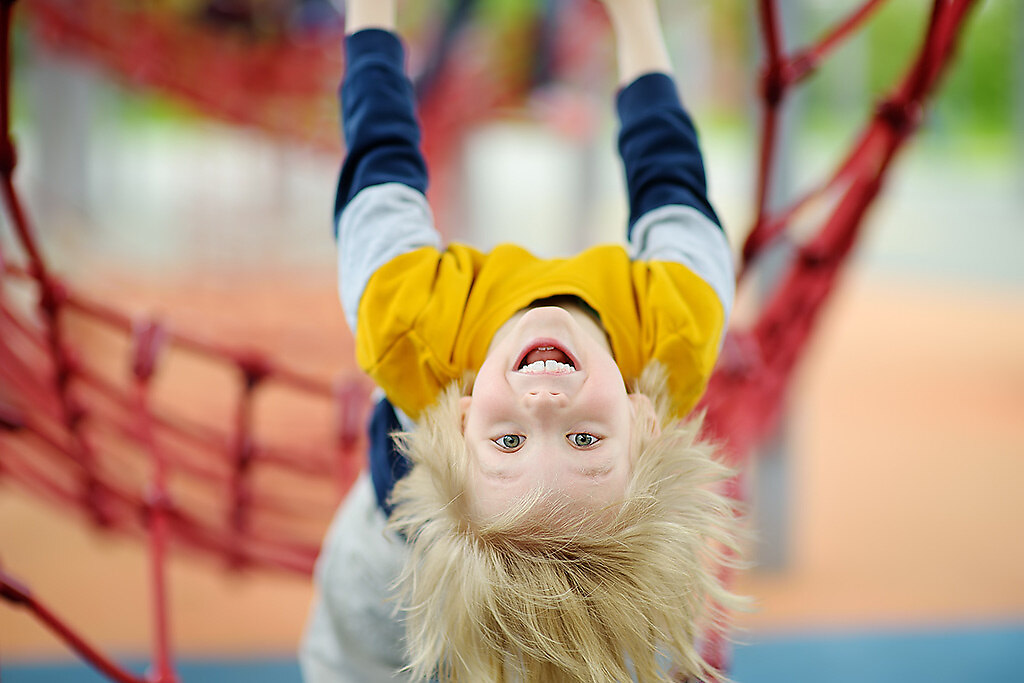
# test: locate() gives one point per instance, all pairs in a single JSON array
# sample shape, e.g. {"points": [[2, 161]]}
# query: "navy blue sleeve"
{"points": [[387, 464], [659, 148], [382, 133]]}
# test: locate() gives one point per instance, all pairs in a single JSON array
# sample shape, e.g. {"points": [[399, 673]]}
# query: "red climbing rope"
{"points": [[280, 84], [758, 362], [76, 436], [744, 397], [18, 594]]}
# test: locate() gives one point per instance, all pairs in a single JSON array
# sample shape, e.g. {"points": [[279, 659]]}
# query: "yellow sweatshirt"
{"points": [[428, 316]]}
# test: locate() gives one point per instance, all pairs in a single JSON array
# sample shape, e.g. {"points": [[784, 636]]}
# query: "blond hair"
{"points": [[528, 597]]}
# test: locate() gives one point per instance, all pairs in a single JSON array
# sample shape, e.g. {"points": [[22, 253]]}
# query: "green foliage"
{"points": [[137, 108], [974, 101], [976, 96], [978, 91], [19, 51], [505, 12], [894, 35]]}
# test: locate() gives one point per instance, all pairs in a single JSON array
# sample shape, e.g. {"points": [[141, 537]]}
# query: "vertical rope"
{"points": [[52, 293], [148, 340], [773, 89], [254, 369], [351, 399], [8, 151]]}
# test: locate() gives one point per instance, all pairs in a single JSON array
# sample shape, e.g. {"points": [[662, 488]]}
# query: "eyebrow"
{"points": [[594, 471]]}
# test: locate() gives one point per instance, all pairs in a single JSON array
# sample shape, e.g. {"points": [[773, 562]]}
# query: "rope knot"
{"points": [[75, 413], [816, 256], [901, 116], [66, 366], [13, 591], [741, 355], [773, 84], [11, 419], [155, 500], [8, 154], [53, 293], [149, 339], [351, 397], [254, 369]]}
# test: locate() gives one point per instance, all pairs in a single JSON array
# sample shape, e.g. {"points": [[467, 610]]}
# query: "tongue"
{"points": [[546, 354]]}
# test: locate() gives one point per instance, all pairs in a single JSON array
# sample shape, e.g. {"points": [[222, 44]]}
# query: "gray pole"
{"points": [[771, 485]]}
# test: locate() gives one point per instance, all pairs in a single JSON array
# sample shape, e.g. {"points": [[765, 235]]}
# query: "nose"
{"points": [[542, 399]]}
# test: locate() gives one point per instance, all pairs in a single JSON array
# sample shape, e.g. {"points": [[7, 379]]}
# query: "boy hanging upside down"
{"points": [[541, 513]]}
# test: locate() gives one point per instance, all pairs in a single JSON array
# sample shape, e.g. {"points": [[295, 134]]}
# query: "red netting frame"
{"points": [[41, 411]]}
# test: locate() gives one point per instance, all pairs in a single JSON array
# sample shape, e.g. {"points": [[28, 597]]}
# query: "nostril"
{"points": [[541, 395]]}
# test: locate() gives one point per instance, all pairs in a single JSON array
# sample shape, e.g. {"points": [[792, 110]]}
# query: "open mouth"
{"points": [[546, 358]]}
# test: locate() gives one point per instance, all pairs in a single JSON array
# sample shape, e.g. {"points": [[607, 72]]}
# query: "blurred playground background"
{"points": [[889, 503]]}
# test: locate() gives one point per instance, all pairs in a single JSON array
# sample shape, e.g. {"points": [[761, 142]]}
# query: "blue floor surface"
{"points": [[992, 654]]}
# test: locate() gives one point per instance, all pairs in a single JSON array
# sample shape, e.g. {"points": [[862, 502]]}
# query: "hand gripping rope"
{"points": [[68, 432]]}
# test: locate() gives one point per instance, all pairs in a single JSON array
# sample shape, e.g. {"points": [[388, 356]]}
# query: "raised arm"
{"points": [[363, 14], [670, 216], [640, 45], [380, 211], [377, 107]]}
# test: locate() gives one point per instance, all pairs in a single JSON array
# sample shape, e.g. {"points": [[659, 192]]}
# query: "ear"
{"points": [[644, 413], [464, 404]]}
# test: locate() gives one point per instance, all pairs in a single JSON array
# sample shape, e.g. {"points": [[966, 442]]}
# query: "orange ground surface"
{"points": [[907, 437]]}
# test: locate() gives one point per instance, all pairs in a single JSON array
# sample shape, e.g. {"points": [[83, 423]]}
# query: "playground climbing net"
{"points": [[75, 436]]}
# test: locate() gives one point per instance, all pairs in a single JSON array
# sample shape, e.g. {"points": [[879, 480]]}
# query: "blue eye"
{"points": [[583, 440], [509, 442]]}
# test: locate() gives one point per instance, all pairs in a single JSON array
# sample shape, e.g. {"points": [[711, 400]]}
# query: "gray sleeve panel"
{"points": [[380, 223], [354, 633], [407, 422], [682, 234]]}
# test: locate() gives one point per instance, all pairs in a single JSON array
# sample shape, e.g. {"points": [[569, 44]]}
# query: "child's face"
{"points": [[563, 427]]}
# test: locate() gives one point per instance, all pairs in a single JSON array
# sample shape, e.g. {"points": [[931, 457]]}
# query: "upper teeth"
{"points": [[551, 366]]}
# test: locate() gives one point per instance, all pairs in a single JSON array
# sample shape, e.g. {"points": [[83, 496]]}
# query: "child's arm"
{"points": [[380, 211], [641, 47], [670, 216], [363, 14]]}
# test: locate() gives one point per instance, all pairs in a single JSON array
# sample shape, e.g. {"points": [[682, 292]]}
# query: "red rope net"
{"points": [[107, 444]]}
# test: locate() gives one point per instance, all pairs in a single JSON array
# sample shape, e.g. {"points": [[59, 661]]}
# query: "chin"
{"points": [[556, 312], [548, 321]]}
